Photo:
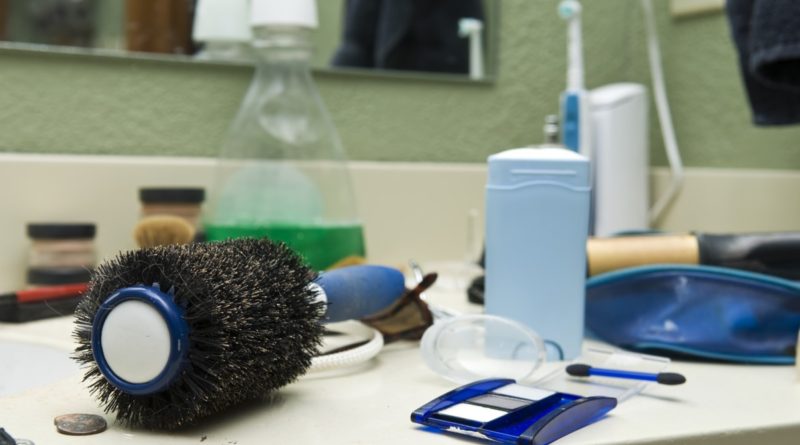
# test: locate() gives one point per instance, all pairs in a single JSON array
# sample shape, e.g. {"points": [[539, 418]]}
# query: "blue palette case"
{"points": [[503, 411]]}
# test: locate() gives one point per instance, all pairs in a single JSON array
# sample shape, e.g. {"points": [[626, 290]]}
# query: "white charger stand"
{"points": [[620, 158]]}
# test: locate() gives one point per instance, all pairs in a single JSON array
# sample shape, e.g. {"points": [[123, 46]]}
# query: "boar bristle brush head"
{"points": [[173, 334]]}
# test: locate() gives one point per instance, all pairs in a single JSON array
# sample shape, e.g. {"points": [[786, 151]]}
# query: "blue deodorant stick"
{"points": [[537, 222]]}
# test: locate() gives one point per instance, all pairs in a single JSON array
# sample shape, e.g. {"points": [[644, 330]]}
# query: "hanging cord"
{"points": [[349, 355], [664, 115]]}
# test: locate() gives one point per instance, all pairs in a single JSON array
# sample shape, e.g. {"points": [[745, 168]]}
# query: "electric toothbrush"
{"points": [[575, 122]]}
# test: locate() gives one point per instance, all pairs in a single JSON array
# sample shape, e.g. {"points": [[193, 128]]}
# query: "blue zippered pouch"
{"points": [[697, 311]]}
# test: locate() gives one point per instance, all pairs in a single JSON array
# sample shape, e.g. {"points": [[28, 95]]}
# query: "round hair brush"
{"points": [[175, 333]]}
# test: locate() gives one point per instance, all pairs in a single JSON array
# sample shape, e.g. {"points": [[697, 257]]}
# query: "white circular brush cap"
{"points": [[284, 12], [136, 341]]}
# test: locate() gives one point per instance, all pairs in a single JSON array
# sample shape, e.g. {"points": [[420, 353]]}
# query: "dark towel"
{"points": [[767, 35], [418, 35]]}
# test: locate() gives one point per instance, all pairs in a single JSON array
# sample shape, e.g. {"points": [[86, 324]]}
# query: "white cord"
{"points": [[350, 357], [664, 115]]}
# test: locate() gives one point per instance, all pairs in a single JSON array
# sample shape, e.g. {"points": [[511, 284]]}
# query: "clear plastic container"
{"points": [[537, 220], [61, 245], [468, 348], [60, 253], [282, 172], [620, 389]]}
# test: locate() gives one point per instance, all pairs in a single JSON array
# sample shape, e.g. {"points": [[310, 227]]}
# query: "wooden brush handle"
{"points": [[607, 254]]}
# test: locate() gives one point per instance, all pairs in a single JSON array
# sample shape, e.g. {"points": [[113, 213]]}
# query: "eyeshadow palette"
{"points": [[500, 410]]}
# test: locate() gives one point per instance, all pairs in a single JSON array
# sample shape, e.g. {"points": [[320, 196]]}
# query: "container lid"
{"points": [[284, 12], [58, 275], [467, 348], [543, 153], [222, 20], [61, 230], [172, 195], [547, 164]]}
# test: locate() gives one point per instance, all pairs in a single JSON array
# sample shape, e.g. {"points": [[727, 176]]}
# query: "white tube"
{"points": [[350, 357], [473, 29], [664, 115]]}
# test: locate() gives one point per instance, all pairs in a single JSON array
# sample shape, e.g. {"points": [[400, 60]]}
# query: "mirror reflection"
{"points": [[435, 36]]}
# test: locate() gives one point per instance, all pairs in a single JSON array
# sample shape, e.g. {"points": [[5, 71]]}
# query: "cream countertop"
{"points": [[720, 404]]}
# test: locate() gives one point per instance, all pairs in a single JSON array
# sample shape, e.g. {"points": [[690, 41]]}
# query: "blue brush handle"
{"points": [[357, 292]]}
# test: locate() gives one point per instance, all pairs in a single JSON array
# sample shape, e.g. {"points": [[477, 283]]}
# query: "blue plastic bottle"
{"points": [[537, 221]]}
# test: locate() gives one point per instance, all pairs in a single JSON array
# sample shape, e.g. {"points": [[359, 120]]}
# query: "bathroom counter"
{"points": [[720, 404]]}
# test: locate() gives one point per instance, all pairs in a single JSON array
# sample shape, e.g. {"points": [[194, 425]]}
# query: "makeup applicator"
{"points": [[664, 378], [173, 334]]}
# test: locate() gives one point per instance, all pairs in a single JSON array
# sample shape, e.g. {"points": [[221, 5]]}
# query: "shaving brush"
{"points": [[159, 230], [173, 334]]}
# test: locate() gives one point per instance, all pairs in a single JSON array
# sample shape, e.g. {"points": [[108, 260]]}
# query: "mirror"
{"points": [[447, 38]]}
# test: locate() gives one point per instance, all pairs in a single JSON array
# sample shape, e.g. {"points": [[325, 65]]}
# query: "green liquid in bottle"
{"points": [[320, 245]]}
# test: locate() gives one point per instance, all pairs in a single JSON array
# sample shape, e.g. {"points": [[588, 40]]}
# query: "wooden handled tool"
{"points": [[770, 253]]}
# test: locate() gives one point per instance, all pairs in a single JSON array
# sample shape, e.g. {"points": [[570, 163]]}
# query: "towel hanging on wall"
{"points": [[767, 36]]}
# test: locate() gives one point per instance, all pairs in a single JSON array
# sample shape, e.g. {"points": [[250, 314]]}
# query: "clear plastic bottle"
{"points": [[283, 172]]}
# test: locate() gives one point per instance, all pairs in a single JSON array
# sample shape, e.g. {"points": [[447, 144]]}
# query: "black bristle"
{"points": [[254, 326]]}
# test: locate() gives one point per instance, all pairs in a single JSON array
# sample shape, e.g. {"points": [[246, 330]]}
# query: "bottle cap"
{"points": [[222, 20], [53, 276], [172, 195], [61, 231], [284, 12]]}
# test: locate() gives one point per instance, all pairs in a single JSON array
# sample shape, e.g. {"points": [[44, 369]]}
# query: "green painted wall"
{"points": [[326, 38], [53, 103], [710, 109]]}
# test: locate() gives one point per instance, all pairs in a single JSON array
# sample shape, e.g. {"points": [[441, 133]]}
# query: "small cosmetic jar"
{"points": [[60, 253], [184, 202]]}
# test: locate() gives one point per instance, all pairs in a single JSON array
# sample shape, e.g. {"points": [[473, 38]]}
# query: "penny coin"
{"points": [[80, 424]]}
